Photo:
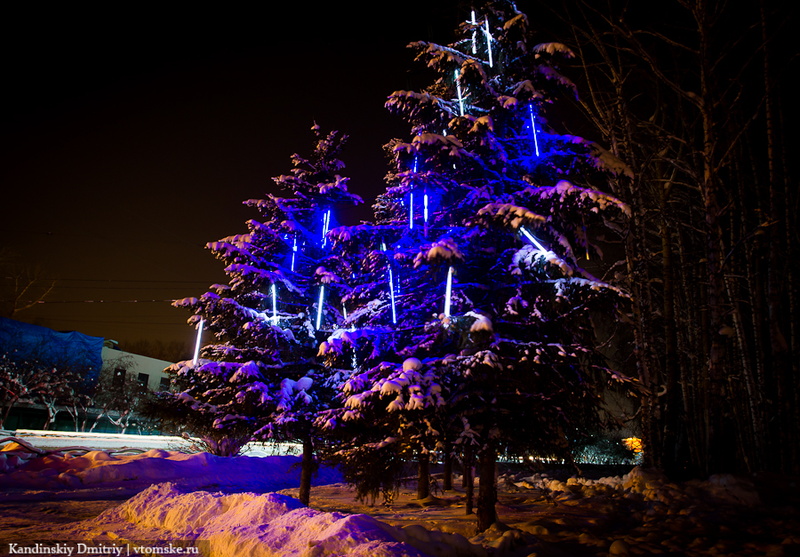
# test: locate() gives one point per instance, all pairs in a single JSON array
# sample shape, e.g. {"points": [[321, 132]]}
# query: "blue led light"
{"points": [[533, 129], [391, 284], [391, 296], [326, 223]]}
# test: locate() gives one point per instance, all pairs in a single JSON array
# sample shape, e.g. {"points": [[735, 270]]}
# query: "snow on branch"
{"points": [[549, 73], [447, 143], [251, 274], [231, 245], [437, 55], [527, 256], [598, 157], [510, 215], [604, 159], [416, 105], [592, 284], [360, 232], [526, 86], [554, 48], [441, 251], [567, 192]]}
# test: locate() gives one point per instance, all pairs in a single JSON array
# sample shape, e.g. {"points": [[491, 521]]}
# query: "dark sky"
{"points": [[130, 137]]}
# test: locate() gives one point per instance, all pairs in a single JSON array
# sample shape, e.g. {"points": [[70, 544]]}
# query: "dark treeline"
{"points": [[692, 95]]}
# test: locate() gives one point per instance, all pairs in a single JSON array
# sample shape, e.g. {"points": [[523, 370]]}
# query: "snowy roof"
{"points": [[23, 341]]}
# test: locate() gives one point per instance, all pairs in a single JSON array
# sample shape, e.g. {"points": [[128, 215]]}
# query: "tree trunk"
{"points": [[306, 471], [467, 481], [7, 411], [423, 475], [447, 473], [487, 488]]}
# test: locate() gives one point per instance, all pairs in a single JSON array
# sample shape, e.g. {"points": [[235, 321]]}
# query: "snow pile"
{"points": [[250, 524], [28, 468], [652, 486]]}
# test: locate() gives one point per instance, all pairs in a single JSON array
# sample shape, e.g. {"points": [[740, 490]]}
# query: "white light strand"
{"points": [[326, 223], [411, 211], [489, 42], [533, 129], [474, 42], [294, 252], [319, 306], [197, 342], [274, 292], [458, 92], [425, 207], [391, 295], [533, 240], [391, 284], [448, 292]]}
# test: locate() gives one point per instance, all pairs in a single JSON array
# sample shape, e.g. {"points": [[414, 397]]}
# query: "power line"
{"points": [[132, 280], [97, 301], [117, 287], [115, 322]]}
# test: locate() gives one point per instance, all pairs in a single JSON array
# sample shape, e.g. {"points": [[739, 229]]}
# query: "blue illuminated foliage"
{"points": [[491, 299], [258, 373]]}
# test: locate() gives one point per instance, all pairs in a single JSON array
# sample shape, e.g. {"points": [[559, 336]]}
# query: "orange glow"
{"points": [[633, 443]]}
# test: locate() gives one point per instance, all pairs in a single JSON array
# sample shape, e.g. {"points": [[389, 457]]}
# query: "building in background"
{"points": [[71, 381]]}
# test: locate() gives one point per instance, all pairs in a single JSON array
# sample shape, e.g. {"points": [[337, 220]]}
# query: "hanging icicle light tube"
{"points": [[448, 292], [488, 42], [197, 342], [319, 306], [294, 252], [391, 296], [533, 240], [533, 129], [459, 93], [326, 223], [274, 292], [474, 23], [391, 285]]}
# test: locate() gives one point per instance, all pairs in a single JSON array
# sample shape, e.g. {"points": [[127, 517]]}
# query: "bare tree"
{"points": [[34, 382], [21, 286], [119, 396], [691, 102]]}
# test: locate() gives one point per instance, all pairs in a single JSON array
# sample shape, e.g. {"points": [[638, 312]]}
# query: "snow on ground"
{"points": [[245, 506], [45, 439]]}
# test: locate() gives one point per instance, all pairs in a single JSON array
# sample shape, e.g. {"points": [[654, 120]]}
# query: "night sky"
{"points": [[130, 137]]}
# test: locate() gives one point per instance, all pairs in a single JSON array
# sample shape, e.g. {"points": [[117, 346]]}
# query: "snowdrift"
{"points": [[255, 525], [87, 469]]}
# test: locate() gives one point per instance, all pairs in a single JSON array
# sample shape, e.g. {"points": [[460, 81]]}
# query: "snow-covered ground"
{"points": [[152, 502], [117, 441]]}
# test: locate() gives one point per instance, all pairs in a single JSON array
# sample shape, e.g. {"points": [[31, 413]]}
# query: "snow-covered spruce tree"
{"points": [[261, 378], [480, 233]]}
